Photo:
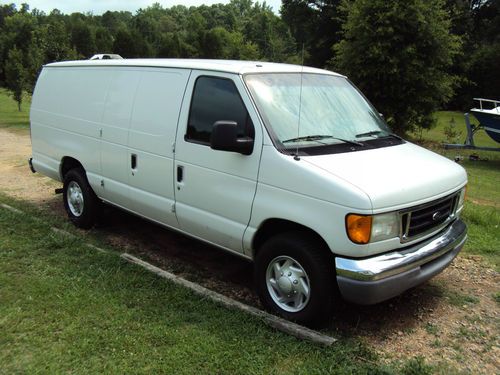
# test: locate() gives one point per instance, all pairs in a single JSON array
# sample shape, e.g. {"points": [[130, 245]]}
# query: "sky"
{"points": [[100, 6]]}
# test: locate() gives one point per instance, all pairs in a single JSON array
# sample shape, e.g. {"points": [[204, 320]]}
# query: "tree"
{"points": [[83, 39], [399, 53], [131, 44], [485, 51], [222, 44], [15, 75], [315, 24], [103, 40]]}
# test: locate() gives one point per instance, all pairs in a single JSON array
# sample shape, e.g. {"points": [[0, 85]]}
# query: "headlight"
{"points": [[461, 199], [385, 226], [362, 229]]}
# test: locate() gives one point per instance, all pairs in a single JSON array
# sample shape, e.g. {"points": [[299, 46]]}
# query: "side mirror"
{"points": [[225, 138]]}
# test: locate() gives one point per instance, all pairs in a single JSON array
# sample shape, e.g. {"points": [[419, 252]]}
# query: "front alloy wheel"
{"points": [[288, 283], [295, 277]]}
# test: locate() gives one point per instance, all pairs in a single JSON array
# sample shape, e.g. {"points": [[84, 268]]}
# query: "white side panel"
{"points": [[65, 114], [152, 135], [115, 162]]}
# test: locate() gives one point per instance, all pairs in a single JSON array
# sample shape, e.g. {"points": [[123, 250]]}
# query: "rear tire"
{"points": [[81, 203], [294, 274]]}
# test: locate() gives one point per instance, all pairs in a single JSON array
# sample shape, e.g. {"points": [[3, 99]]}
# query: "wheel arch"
{"points": [[68, 163], [274, 226]]}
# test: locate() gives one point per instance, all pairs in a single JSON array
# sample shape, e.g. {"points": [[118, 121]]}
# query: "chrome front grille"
{"points": [[421, 220]]}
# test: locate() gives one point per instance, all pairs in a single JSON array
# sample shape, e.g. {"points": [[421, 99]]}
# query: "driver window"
{"points": [[216, 99]]}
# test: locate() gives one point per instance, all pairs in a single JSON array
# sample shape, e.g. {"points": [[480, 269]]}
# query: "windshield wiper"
{"points": [[369, 134], [377, 132], [319, 137]]}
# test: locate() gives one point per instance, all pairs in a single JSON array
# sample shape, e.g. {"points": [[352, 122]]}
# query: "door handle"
{"points": [[180, 173], [133, 161]]}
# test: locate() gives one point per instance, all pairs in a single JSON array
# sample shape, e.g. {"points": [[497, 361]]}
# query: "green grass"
{"points": [[484, 179], [453, 298], [432, 329], [496, 297], [10, 117], [484, 176], [484, 232], [67, 308], [443, 118]]}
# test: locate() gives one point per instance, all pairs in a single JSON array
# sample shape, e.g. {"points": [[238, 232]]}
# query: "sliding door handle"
{"points": [[180, 173], [133, 161]]}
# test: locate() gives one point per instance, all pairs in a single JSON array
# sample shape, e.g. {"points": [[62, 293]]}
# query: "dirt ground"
{"points": [[454, 318]]}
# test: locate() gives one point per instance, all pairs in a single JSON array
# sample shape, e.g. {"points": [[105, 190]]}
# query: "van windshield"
{"points": [[332, 111]]}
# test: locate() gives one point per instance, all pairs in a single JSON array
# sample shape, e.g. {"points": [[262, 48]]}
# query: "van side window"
{"points": [[216, 99]]}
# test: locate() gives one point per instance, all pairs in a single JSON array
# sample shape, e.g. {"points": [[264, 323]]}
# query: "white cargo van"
{"points": [[288, 166]]}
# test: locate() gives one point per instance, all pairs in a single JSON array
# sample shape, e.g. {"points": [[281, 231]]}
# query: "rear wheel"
{"points": [[295, 278], [81, 203]]}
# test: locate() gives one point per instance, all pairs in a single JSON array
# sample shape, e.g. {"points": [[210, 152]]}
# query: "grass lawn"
{"points": [[67, 308], [10, 117]]}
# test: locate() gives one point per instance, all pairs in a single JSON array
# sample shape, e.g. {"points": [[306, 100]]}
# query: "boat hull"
{"points": [[490, 122]]}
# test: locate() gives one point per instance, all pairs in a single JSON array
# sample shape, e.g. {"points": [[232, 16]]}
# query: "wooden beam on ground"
{"points": [[280, 324]]}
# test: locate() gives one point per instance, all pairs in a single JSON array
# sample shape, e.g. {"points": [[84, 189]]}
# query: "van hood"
{"points": [[395, 176]]}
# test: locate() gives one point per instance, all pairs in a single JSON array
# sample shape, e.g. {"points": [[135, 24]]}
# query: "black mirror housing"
{"points": [[225, 138]]}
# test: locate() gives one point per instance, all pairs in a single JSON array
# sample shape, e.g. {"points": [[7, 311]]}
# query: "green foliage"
{"points": [[399, 53], [241, 29], [451, 132], [484, 72], [316, 24], [83, 39], [222, 44], [15, 75]]}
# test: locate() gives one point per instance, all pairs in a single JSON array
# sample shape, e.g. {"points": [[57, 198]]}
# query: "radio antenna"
{"points": [[296, 157]]}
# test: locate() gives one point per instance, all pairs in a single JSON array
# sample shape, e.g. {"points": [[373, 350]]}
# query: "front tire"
{"points": [[294, 274], [81, 203]]}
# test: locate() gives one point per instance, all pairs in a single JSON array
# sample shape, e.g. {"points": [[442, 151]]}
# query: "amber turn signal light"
{"points": [[359, 228]]}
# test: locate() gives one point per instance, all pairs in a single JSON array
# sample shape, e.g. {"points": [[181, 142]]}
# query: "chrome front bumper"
{"points": [[372, 280]]}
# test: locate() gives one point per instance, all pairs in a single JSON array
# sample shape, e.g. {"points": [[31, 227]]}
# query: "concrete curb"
{"points": [[280, 324], [11, 209]]}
